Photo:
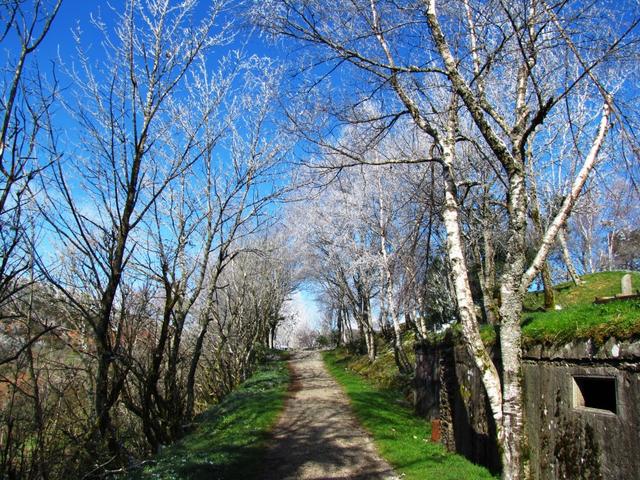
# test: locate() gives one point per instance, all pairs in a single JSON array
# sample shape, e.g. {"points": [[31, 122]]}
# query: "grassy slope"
{"points": [[402, 438], [580, 318], [383, 372], [229, 440]]}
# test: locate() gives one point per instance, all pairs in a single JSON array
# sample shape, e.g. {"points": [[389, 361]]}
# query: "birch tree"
{"points": [[372, 224]]}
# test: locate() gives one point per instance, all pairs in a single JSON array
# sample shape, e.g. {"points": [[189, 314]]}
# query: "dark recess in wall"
{"points": [[596, 392]]}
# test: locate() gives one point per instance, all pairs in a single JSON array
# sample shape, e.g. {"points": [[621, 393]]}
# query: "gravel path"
{"points": [[317, 436]]}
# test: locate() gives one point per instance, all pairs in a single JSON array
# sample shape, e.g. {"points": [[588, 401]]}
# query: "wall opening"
{"points": [[595, 392]]}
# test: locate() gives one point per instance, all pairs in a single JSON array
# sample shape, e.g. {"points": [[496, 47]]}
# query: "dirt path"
{"points": [[317, 436]]}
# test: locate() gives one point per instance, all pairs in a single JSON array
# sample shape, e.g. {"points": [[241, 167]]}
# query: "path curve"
{"points": [[317, 436]]}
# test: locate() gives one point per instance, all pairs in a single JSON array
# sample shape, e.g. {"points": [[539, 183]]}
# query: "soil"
{"points": [[317, 436]]}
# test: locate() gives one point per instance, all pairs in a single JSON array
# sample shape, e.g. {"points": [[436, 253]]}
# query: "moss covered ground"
{"points": [[229, 439]]}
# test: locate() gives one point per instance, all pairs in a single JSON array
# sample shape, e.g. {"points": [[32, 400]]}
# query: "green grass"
{"points": [[580, 318], [402, 438], [603, 284], [383, 372], [230, 438], [597, 322]]}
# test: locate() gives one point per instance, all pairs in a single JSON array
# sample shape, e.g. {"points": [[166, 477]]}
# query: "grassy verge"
{"points": [[384, 373], [230, 438], [402, 438], [597, 322], [601, 284]]}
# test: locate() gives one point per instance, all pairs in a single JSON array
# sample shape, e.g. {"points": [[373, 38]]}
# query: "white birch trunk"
{"points": [[571, 270], [387, 283], [462, 289], [422, 324], [562, 215], [510, 333]]}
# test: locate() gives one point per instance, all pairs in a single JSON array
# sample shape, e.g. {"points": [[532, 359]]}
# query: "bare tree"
{"points": [[176, 165], [197, 225], [340, 251], [27, 99], [25, 124], [256, 284], [124, 166]]}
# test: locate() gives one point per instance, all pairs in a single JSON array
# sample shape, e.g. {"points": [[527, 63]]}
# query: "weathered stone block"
{"points": [[630, 350], [610, 350], [626, 284]]}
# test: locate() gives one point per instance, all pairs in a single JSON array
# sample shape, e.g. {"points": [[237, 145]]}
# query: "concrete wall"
{"points": [[453, 384], [467, 425], [566, 440]]}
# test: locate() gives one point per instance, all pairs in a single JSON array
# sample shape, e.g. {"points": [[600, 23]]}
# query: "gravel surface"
{"points": [[317, 436]]}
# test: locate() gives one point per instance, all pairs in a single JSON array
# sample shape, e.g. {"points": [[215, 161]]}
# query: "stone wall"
{"points": [[583, 410], [455, 386], [582, 406]]}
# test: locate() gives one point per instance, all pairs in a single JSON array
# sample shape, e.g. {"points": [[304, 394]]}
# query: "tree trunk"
{"points": [[387, 283], [513, 437], [549, 298], [487, 275], [174, 398], [461, 287], [346, 326], [422, 323], [364, 315], [364, 339], [547, 285], [571, 270], [561, 217], [193, 368], [399, 354]]}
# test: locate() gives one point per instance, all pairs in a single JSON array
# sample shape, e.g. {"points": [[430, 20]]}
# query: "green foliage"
{"points": [[229, 439], [579, 317], [488, 334], [402, 438], [383, 372], [324, 341]]}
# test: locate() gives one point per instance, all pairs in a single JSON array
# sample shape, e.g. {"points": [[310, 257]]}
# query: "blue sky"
{"points": [[60, 46], [311, 312]]}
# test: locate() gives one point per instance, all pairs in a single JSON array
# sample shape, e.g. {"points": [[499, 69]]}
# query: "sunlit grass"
{"points": [[230, 439], [567, 295], [402, 438], [597, 322], [579, 317]]}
